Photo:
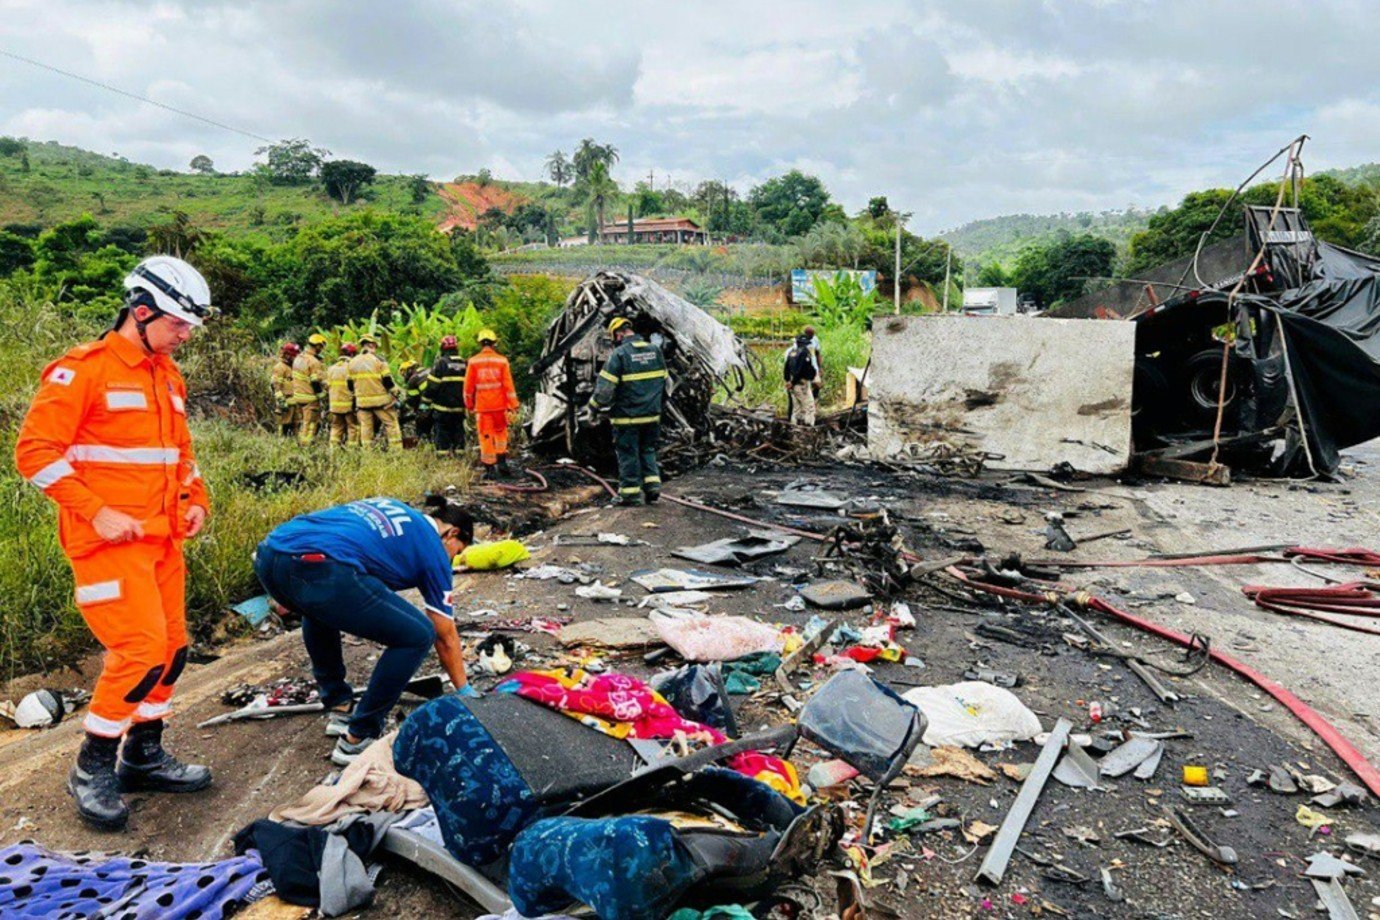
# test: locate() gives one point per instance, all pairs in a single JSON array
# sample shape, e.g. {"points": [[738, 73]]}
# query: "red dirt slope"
{"points": [[468, 200]]}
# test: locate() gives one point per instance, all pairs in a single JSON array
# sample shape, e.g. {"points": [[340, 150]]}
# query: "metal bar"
{"points": [[1334, 899], [993, 868]]}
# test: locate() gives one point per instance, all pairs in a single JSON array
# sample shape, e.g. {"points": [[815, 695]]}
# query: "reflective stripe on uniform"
{"points": [[105, 728], [609, 377], [439, 408], [138, 456], [51, 473], [630, 490], [364, 375], [644, 375], [635, 420], [656, 479], [149, 710], [99, 593]]}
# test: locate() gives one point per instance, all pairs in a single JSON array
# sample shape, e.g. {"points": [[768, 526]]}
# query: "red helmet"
{"points": [[291, 349], [349, 348], [449, 343]]}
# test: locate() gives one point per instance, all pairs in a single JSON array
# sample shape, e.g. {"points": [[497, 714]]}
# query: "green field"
{"points": [[62, 183]]}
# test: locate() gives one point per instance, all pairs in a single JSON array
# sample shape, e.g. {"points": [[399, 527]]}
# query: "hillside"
{"points": [[1000, 239], [64, 182]]}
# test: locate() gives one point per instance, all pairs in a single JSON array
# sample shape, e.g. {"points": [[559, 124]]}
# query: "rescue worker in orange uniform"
{"points": [[491, 396], [106, 438], [281, 380], [309, 388], [340, 399]]}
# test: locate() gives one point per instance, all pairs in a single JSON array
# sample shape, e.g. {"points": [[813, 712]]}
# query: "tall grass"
{"points": [[40, 627]]}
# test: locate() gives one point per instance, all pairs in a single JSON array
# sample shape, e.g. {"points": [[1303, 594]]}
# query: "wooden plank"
{"points": [[1207, 474]]}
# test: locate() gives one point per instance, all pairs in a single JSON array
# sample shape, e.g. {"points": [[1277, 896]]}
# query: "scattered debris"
{"points": [[738, 550], [993, 868], [950, 761], [835, 595]]}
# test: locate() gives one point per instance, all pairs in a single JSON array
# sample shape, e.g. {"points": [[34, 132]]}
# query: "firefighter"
{"points": [[309, 388], [281, 380], [444, 392], [630, 389], [340, 395], [106, 439], [375, 394], [491, 396], [414, 407]]}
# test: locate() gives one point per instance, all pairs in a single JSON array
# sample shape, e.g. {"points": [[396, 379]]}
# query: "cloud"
{"points": [[954, 111]]}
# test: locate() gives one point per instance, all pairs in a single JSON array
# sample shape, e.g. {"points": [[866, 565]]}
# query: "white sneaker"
{"points": [[345, 752], [337, 723]]}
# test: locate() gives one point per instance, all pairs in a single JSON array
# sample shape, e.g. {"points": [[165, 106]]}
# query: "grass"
{"points": [[65, 182], [40, 628], [842, 347]]}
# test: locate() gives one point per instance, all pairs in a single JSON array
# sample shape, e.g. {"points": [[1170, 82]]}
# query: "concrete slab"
{"points": [[1035, 391]]}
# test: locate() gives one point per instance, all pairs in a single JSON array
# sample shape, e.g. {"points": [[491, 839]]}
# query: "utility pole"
{"points": [[896, 279], [651, 179], [948, 262]]}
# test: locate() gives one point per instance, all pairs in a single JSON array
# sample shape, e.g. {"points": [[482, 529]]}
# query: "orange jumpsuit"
{"points": [[108, 427], [490, 395]]}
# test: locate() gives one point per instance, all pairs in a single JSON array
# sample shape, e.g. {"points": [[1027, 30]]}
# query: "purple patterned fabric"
{"points": [[37, 883]]}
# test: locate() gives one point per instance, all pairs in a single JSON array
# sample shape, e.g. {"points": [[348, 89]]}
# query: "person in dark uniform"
{"points": [[413, 409], [630, 389], [444, 392]]}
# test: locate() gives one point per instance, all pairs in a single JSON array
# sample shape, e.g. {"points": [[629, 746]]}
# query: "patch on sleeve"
{"points": [[62, 375], [449, 599]]}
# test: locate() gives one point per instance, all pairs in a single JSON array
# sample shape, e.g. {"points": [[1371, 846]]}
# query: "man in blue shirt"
{"points": [[339, 569]]}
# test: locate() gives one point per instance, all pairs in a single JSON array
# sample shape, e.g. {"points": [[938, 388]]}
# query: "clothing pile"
{"points": [[35, 882]]}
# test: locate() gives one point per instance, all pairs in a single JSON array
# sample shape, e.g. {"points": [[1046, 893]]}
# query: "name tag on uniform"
{"points": [[125, 400]]}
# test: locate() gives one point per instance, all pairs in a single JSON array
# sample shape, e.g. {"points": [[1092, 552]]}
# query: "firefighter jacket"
{"points": [[489, 383], [340, 390], [108, 427], [413, 386], [281, 380], [631, 385], [444, 388], [373, 381], [308, 378]]}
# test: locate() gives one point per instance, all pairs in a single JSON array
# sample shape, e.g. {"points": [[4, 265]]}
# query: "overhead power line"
{"points": [[154, 102]]}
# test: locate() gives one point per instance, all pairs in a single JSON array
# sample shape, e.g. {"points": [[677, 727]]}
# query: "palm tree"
{"points": [[559, 168], [600, 190], [590, 152]]}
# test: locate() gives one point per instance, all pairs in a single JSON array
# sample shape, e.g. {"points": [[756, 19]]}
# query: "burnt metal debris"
{"points": [[702, 356]]}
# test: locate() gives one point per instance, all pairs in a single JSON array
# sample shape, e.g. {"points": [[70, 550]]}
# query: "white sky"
{"points": [[954, 110]]}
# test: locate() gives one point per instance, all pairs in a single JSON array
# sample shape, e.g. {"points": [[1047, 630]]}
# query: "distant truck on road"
{"points": [[990, 301]]}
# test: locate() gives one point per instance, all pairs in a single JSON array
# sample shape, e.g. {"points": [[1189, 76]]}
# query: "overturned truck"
{"points": [[702, 355], [1285, 351]]}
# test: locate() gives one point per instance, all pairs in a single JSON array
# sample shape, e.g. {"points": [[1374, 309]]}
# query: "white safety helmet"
{"points": [[177, 288]]}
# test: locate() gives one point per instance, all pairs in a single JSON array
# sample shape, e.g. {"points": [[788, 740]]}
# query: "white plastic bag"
{"points": [[973, 713]]}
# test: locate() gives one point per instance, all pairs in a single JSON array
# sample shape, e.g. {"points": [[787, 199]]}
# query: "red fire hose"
{"points": [[1316, 723]]}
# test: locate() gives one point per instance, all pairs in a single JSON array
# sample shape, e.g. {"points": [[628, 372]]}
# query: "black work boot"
{"points": [[504, 469], [95, 786], [144, 765]]}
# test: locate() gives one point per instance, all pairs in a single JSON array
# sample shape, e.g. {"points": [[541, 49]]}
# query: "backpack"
{"points": [[800, 365]]}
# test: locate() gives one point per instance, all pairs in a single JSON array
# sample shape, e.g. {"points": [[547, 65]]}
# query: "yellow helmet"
{"points": [[406, 366], [316, 338], [367, 339], [487, 335], [618, 323]]}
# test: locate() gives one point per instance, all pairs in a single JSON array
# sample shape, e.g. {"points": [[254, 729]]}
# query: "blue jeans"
{"points": [[332, 598]]}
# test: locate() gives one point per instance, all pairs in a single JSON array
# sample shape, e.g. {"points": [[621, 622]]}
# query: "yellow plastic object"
{"points": [[1195, 776], [483, 557]]}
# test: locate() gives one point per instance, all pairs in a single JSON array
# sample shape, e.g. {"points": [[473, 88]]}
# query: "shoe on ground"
{"points": [[338, 723], [166, 775], [621, 502], [97, 794], [346, 751], [653, 496]]}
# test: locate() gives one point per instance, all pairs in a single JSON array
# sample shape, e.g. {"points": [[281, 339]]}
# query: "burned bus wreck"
{"points": [[702, 355], [1275, 369]]}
